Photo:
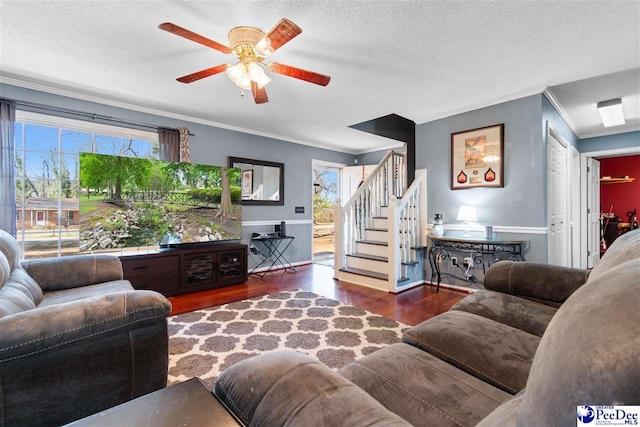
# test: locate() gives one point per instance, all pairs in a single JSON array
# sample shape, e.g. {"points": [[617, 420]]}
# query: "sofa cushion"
{"points": [[520, 313], [588, 355], [19, 293], [5, 269], [423, 389], [624, 248], [76, 294], [51, 328], [543, 283], [74, 272], [493, 352], [294, 389], [10, 248]]}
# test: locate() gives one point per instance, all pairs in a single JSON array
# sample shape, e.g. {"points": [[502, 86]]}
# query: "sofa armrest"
{"points": [[52, 327], [54, 274], [548, 284], [289, 388]]}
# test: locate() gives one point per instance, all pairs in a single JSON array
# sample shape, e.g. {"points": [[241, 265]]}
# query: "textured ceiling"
{"points": [[422, 60]]}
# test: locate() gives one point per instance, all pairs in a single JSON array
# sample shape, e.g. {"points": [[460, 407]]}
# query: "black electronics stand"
{"points": [[274, 246]]}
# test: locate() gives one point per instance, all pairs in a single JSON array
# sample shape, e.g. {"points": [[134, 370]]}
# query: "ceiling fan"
{"points": [[251, 47]]}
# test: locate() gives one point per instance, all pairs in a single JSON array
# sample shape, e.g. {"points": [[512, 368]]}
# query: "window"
{"points": [[47, 176]]}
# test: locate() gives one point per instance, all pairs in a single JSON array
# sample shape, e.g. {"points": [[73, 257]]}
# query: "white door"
{"points": [[557, 194], [326, 190], [593, 212], [352, 176]]}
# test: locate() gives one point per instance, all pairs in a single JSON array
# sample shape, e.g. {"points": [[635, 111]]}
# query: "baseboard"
{"points": [[446, 285], [279, 266]]}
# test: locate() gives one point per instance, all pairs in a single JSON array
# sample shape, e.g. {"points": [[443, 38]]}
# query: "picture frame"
{"points": [[477, 158], [247, 184]]}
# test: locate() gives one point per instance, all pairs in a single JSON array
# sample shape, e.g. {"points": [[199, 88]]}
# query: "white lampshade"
{"points": [[263, 47], [467, 214], [256, 73], [238, 74], [611, 112]]}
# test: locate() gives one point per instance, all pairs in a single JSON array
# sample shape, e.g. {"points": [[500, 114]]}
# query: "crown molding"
{"points": [[484, 104], [100, 99], [552, 99], [609, 133]]}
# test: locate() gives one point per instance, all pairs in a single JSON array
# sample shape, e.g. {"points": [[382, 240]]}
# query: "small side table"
{"points": [[476, 248], [188, 404], [274, 247]]}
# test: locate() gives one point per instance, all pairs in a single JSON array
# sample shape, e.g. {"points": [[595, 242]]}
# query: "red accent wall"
{"points": [[625, 196]]}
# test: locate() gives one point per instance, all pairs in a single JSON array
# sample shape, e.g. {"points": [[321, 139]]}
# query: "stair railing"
{"points": [[408, 217], [351, 220]]}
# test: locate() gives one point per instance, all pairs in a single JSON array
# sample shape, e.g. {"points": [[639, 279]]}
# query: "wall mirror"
{"points": [[262, 181]]}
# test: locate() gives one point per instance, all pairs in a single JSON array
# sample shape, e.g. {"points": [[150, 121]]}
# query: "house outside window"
{"points": [[47, 176], [40, 218]]}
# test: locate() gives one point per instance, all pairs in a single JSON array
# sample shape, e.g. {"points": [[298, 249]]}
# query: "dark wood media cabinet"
{"points": [[177, 271]]}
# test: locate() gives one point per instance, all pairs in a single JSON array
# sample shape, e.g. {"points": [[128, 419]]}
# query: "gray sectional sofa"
{"points": [[75, 338], [540, 341]]}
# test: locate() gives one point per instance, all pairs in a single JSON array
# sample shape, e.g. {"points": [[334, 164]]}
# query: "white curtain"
{"points": [[7, 167]]}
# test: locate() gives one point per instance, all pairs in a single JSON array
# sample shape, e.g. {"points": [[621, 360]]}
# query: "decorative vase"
{"points": [[438, 226]]}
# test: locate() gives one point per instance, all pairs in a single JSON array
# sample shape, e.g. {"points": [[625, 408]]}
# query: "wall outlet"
{"points": [[468, 262], [454, 261]]}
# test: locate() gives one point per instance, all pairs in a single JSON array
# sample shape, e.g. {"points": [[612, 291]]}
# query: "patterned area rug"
{"points": [[203, 343]]}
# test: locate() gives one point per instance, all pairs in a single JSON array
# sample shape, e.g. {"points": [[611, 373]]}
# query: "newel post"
{"points": [[393, 243], [421, 174], [338, 238]]}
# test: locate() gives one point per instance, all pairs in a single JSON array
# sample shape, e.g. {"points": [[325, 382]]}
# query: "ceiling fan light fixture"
{"points": [[257, 74], [238, 74], [611, 112], [263, 47], [245, 36], [250, 46]]}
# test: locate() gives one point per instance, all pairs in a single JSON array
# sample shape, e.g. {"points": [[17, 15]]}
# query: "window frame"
{"points": [[61, 124]]}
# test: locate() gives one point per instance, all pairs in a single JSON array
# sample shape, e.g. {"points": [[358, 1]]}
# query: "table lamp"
{"points": [[467, 214]]}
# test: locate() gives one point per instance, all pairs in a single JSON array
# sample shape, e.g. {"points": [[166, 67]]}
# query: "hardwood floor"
{"points": [[410, 307]]}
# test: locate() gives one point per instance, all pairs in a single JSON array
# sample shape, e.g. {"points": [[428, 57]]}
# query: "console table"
{"points": [[496, 250], [273, 251]]}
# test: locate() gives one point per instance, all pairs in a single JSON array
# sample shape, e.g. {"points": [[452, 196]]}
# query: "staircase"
{"points": [[380, 232]]}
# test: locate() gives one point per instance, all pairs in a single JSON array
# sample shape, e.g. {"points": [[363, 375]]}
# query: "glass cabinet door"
{"points": [[230, 264], [200, 268]]}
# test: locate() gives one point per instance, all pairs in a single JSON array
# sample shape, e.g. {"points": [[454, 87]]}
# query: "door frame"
{"points": [[614, 152], [333, 165]]}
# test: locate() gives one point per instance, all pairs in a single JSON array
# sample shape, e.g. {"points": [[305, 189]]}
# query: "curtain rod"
{"points": [[92, 116]]}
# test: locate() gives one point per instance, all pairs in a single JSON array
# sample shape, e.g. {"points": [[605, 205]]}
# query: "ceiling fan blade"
{"points": [[298, 73], [190, 35], [190, 78], [283, 31], [259, 94]]}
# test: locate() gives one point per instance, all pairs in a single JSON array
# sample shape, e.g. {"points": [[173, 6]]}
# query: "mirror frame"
{"points": [[280, 166]]}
